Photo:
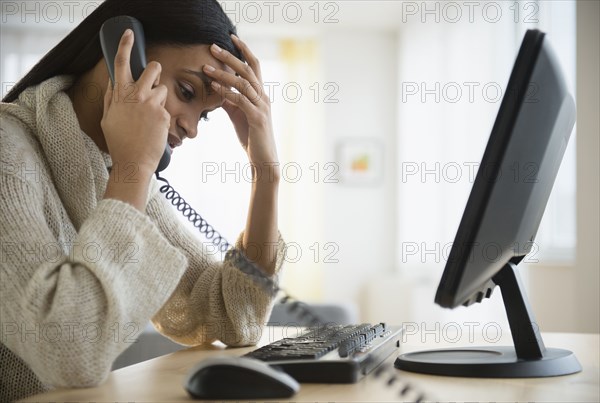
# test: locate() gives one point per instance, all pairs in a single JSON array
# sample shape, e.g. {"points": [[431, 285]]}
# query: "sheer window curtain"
{"points": [[302, 153], [451, 80]]}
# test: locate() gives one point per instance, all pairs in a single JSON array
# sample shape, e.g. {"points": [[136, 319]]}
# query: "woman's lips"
{"points": [[173, 141]]}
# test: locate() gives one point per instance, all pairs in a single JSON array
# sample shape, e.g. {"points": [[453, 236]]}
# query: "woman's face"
{"points": [[190, 97]]}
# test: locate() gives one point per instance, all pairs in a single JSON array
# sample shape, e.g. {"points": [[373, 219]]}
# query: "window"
{"points": [[451, 82], [557, 233], [21, 49]]}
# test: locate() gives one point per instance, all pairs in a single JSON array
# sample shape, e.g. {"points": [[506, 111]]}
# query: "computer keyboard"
{"points": [[332, 354]]}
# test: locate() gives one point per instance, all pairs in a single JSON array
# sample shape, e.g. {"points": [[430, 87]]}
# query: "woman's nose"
{"points": [[188, 127]]}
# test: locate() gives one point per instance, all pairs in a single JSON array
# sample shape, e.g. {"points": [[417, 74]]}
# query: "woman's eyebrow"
{"points": [[204, 78]]}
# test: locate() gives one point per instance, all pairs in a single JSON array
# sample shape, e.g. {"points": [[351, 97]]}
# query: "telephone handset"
{"points": [[110, 35]]}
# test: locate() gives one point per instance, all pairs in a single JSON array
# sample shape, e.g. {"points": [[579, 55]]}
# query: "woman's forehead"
{"points": [[192, 56]]}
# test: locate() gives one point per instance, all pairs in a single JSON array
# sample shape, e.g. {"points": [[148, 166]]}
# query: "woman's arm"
{"points": [[214, 300], [73, 304], [260, 238], [220, 301], [249, 109]]}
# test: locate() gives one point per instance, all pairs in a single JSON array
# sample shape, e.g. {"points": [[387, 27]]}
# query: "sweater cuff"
{"points": [[255, 293], [237, 259]]}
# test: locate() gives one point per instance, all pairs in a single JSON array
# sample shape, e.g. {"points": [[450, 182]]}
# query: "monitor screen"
{"points": [[501, 218], [515, 177]]}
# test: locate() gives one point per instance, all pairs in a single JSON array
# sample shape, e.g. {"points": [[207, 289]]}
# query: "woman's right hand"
{"points": [[135, 122]]}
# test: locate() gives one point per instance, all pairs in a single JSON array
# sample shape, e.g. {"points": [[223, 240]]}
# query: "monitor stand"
{"points": [[528, 358]]}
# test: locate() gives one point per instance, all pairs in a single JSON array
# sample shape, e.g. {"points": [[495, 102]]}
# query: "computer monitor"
{"points": [[500, 221]]}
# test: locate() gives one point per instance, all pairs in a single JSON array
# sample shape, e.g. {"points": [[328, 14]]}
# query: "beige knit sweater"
{"points": [[80, 275]]}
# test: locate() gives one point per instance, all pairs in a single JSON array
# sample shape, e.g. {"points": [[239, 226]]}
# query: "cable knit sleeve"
{"points": [[68, 310], [71, 299], [214, 300]]}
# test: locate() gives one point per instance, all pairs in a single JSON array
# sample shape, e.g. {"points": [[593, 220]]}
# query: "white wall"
{"points": [[360, 218], [586, 273]]}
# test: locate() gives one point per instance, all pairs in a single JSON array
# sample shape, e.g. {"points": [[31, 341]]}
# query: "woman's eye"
{"points": [[204, 116], [186, 93]]}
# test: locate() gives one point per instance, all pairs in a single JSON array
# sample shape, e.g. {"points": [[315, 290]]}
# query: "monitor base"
{"points": [[488, 362]]}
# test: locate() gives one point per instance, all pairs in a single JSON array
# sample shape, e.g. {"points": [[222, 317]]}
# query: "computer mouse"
{"points": [[230, 377]]}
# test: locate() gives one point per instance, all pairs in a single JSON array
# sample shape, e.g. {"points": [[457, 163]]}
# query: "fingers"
{"points": [[230, 60], [228, 80], [228, 106], [232, 97], [147, 89], [242, 69], [160, 92], [108, 95], [253, 61], [122, 58], [250, 96], [150, 78]]}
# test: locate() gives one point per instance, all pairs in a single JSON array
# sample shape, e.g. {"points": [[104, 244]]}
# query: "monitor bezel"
{"points": [[447, 292]]}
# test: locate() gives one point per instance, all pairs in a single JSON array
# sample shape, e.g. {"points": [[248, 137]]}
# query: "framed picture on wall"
{"points": [[360, 161]]}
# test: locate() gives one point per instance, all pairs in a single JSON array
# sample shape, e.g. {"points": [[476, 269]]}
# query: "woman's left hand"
{"points": [[249, 108]]}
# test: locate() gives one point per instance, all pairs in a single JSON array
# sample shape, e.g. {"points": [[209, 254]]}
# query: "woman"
{"points": [[90, 249]]}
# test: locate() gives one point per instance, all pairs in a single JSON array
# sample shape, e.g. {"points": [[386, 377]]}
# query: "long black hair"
{"points": [[165, 22]]}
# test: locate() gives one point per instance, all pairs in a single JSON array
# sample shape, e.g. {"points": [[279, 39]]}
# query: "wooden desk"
{"points": [[161, 379]]}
